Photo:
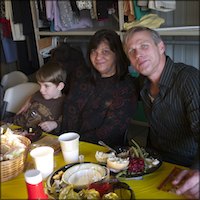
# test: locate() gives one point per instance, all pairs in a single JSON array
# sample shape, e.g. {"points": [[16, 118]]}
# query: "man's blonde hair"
{"points": [[154, 35]]}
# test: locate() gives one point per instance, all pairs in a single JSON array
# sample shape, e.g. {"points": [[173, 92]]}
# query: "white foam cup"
{"points": [[69, 143], [44, 160]]}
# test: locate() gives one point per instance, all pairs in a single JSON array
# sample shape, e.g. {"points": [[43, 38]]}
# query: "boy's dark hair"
{"points": [[51, 71]]}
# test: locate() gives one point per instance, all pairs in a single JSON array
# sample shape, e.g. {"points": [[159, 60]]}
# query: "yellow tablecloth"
{"points": [[143, 189]]}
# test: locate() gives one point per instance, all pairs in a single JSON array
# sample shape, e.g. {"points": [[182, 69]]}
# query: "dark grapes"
{"points": [[136, 165]]}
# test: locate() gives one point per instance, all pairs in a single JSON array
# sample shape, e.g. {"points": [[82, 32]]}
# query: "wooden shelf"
{"points": [[68, 33], [170, 31], [179, 31]]}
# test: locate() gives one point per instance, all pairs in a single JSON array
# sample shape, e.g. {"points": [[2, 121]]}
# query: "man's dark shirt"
{"points": [[174, 114]]}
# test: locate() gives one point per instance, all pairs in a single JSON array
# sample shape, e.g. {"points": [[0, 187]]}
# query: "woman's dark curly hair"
{"points": [[115, 44]]}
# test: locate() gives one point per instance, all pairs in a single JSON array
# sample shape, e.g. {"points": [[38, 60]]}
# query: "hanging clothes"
{"points": [[5, 27], [19, 14], [142, 3], [93, 10], [60, 13], [8, 46], [164, 6], [67, 17], [129, 10], [9, 49], [84, 4], [139, 13], [74, 7], [17, 29], [2, 9], [41, 11]]}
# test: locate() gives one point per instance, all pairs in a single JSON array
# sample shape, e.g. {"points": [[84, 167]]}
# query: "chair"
{"points": [[16, 96], [13, 78]]}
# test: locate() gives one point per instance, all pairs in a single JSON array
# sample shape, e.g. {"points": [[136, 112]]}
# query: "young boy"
{"points": [[45, 106]]}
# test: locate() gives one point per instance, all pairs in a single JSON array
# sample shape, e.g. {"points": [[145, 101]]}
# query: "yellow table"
{"points": [[143, 189]]}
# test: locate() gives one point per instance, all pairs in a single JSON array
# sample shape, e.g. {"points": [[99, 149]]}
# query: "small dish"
{"points": [[83, 174], [80, 175], [30, 133]]}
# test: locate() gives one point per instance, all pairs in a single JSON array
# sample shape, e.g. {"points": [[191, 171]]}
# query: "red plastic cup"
{"points": [[34, 184]]}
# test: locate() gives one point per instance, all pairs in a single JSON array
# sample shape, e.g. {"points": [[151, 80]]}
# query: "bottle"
{"points": [[34, 184]]}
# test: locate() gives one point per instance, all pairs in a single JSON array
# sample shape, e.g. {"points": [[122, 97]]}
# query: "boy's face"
{"points": [[49, 90]]}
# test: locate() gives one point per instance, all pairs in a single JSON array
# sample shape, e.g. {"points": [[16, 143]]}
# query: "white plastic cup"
{"points": [[71, 156], [69, 143], [44, 160]]}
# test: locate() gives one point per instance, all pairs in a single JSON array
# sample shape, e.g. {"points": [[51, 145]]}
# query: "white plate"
{"points": [[81, 175]]}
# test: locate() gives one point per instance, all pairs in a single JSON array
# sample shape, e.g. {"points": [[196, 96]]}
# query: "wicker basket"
{"points": [[12, 168]]}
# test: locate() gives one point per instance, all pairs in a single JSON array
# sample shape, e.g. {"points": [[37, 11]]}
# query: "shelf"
{"points": [[169, 31], [68, 33], [179, 31]]}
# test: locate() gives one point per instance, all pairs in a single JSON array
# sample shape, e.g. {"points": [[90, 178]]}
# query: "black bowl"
{"points": [[33, 134]]}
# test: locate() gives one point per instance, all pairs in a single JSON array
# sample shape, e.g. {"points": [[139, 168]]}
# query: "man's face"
{"points": [[144, 54]]}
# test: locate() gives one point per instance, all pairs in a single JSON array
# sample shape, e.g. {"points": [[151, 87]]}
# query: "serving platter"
{"points": [[148, 158]]}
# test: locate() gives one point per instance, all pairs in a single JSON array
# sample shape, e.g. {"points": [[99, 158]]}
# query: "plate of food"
{"points": [[85, 181], [130, 162]]}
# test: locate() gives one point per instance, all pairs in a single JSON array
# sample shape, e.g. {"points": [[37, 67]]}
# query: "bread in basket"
{"points": [[14, 150]]}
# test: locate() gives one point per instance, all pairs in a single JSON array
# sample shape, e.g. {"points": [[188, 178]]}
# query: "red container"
{"points": [[34, 184]]}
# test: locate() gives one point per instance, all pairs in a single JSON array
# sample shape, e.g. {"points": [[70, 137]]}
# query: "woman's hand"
{"points": [[188, 183], [48, 126]]}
